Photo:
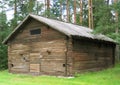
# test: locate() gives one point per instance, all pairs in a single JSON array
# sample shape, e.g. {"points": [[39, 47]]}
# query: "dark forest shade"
{"points": [[35, 31]]}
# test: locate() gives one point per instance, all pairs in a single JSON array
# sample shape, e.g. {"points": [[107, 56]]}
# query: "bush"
{"points": [[3, 57]]}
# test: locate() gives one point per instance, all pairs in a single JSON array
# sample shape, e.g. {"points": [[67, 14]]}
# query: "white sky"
{"points": [[9, 14]]}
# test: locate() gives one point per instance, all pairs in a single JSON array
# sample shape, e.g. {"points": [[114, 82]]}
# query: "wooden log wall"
{"points": [[43, 53], [52, 53], [91, 56], [69, 58]]}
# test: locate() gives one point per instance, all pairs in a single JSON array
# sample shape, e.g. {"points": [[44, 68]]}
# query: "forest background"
{"points": [[103, 16]]}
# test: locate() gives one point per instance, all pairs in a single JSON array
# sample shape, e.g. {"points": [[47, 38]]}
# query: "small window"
{"points": [[35, 31]]}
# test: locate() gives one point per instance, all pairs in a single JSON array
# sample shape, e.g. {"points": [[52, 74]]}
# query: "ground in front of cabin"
{"points": [[106, 77]]}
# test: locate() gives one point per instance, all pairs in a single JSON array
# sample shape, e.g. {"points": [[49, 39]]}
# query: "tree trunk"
{"points": [[75, 11], [37, 10], [60, 10], [48, 4], [67, 9], [15, 8], [90, 14], [108, 2], [116, 31], [48, 8], [116, 16], [81, 10], [30, 7]]}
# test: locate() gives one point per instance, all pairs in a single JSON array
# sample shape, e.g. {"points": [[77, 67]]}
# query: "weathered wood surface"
{"points": [[90, 55], [43, 54], [35, 68], [52, 53]]}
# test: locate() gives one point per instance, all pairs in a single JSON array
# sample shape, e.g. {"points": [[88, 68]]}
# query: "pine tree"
{"points": [[3, 34]]}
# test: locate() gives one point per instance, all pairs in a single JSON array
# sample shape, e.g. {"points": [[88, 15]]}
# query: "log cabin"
{"points": [[43, 46]]}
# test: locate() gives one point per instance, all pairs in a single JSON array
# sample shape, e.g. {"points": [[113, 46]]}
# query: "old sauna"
{"points": [[45, 46]]}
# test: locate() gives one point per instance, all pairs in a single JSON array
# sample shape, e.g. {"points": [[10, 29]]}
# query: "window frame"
{"points": [[36, 31]]}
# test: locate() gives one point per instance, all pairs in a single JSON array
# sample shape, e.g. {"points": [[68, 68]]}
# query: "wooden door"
{"points": [[35, 63]]}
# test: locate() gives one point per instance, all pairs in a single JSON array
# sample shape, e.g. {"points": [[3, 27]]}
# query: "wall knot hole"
{"points": [[49, 52]]}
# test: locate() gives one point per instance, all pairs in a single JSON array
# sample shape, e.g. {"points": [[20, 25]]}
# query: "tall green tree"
{"points": [[3, 33], [115, 34], [104, 18], [22, 8]]}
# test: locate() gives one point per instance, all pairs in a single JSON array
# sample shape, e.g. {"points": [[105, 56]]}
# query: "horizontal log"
{"points": [[34, 67]]}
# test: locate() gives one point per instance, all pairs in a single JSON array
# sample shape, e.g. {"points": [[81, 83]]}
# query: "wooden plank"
{"points": [[35, 68], [52, 65], [85, 58], [19, 67]]}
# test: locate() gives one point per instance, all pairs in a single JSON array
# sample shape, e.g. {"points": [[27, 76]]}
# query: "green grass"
{"points": [[106, 77]]}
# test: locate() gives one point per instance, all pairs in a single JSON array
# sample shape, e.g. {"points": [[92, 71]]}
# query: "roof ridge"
{"points": [[66, 28]]}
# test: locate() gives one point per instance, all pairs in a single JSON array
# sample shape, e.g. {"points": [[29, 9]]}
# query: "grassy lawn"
{"points": [[106, 77]]}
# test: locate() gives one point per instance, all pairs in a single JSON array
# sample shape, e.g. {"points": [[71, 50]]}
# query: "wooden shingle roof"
{"points": [[63, 27]]}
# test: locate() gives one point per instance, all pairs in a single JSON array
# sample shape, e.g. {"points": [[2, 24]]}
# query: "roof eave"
{"points": [[10, 35], [29, 16], [79, 37]]}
